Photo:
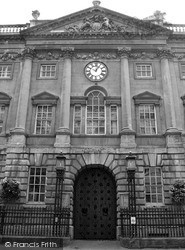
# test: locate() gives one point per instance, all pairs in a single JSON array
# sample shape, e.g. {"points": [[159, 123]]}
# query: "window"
{"points": [[147, 110], [77, 119], [47, 71], [4, 106], [37, 184], [147, 120], [44, 112], [2, 116], [182, 70], [153, 185], [144, 71], [5, 71], [95, 118], [43, 119], [113, 120]]}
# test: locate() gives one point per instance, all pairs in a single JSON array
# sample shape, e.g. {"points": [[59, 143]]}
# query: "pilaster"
{"points": [[18, 136], [173, 135], [63, 133], [127, 133]]}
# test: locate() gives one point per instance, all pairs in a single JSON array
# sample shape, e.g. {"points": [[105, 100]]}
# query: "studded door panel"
{"points": [[95, 205]]}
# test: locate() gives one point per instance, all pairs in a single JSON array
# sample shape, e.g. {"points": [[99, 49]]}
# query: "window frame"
{"points": [[4, 101], [44, 99], [117, 122], [77, 105], [11, 72], [144, 64], [156, 186], [181, 71], [105, 115], [27, 198], [147, 98], [81, 100], [145, 127], [41, 119], [50, 63]]}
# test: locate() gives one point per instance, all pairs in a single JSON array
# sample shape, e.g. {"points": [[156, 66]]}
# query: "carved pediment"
{"points": [[44, 98], [95, 20], [147, 97]]}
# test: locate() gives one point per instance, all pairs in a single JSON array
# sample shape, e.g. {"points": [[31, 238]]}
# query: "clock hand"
{"points": [[97, 68]]}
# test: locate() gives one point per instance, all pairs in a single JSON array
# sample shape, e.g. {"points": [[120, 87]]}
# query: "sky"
{"points": [[20, 11]]}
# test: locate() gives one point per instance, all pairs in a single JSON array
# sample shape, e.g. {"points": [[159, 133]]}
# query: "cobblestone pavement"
{"points": [[93, 245]]}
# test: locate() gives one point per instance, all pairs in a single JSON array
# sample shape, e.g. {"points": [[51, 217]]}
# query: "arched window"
{"points": [[95, 114]]}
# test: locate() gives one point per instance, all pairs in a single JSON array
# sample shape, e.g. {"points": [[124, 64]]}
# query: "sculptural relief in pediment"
{"points": [[98, 23]]}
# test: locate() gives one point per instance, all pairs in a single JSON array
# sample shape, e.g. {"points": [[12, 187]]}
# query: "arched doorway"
{"points": [[95, 205]]}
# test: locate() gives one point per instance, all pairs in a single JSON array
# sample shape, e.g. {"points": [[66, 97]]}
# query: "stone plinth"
{"points": [[128, 138], [17, 138], [173, 138], [62, 138]]}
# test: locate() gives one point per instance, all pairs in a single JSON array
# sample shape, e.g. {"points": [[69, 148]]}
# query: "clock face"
{"points": [[96, 71]]}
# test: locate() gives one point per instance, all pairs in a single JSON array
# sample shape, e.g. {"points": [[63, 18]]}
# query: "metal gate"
{"points": [[95, 205]]}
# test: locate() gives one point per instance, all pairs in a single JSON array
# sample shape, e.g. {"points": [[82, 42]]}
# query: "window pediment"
{"points": [[147, 98], [45, 97], [183, 99], [4, 98]]}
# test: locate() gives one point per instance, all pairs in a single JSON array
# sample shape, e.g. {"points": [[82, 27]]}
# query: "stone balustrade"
{"points": [[16, 28], [176, 28], [13, 29]]}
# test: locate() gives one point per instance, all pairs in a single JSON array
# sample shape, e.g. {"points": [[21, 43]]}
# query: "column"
{"points": [[63, 133], [127, 133], [173, 135], [18, 138]]}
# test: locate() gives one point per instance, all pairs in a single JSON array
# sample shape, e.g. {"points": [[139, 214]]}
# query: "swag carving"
{"points": [[96, 56]]}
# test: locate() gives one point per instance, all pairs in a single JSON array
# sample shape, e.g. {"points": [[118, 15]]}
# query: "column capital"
{"points": [[165, 53], [28, 53], [67, 52], [124, 51]]}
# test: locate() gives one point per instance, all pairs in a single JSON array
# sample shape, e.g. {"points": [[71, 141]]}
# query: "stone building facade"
{"points": [[94, 85]]}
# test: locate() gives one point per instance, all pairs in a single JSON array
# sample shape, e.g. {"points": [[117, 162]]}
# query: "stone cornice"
{"points": [[113, 100], [78, 100]]}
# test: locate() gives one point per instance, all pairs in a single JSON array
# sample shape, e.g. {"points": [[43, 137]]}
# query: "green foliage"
{"points": [[10, 190], [177, 192]]}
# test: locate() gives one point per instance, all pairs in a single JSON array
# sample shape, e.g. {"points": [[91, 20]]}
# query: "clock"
{"points": [[96, 71]]}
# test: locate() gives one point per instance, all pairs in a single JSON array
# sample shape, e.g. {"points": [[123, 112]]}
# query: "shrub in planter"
{"points": [[10, 190], [177, 192]]}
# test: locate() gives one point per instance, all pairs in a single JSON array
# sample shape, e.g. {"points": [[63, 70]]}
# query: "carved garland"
{"points": [[69, 52]]}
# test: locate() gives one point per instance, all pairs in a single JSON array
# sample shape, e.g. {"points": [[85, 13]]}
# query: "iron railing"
{"points": [[153, 222], [34, 221]]}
